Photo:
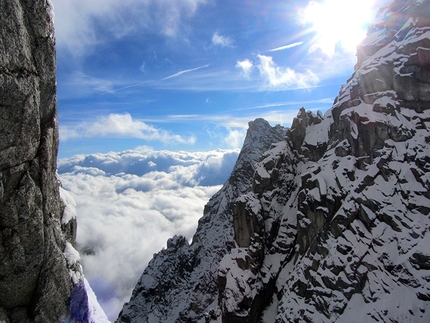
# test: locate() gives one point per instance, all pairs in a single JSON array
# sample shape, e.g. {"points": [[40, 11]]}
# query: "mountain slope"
{"points": [[334, 224], [180, 282]]}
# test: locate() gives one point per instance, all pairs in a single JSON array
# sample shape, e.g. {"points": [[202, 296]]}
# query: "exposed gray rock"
{"points": [[180, 283], [342, 196], [35, 281]]}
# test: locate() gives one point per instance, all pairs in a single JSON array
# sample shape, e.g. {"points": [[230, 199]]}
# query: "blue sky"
{"points": [[190, 74]]}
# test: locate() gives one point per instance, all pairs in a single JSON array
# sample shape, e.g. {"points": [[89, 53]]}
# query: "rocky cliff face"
{"points": [[39, 271], [180, 282], [342, 205], [334, 223]]}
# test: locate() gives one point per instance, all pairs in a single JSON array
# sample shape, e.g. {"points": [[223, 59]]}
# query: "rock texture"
{"points": [[180, 282], [35, 273], [334, 223]]}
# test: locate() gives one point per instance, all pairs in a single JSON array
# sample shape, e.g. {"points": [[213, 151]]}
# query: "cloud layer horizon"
{"points": [[129, 203]]}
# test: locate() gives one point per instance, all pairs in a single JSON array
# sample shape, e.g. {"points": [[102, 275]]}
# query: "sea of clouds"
{"points": [[129, 203]]}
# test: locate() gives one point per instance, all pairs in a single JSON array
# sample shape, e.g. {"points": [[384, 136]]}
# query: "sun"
{"points": [[338, 24]]}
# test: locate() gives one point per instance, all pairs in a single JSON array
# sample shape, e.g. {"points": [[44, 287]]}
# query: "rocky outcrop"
{"points": [[38, 268], [342, 223], [180, 283]]}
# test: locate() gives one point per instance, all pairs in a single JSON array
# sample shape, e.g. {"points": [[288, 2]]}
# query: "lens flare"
{"points": [[338, 24]]}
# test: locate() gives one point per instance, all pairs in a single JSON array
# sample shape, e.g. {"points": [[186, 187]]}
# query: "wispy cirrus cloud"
{"points": [[285, 47], [93, 83], [184, 71], [231, 122], [282, 78], [223, 41], [124, 126], [81, 25], [323, 101]]}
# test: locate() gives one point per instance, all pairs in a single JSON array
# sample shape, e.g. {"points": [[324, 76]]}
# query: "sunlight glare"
{"points": [[338, 23]]}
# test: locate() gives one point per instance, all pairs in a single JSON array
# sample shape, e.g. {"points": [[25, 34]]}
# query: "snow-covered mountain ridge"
{"points": [[329, 223], [180, 282]]}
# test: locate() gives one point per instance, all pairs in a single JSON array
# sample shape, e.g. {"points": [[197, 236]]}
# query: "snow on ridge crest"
{"points": [[180, 282], [333, 221]]}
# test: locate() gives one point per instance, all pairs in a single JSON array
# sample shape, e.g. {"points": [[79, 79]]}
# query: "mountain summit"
{"points": [[327, 223]]}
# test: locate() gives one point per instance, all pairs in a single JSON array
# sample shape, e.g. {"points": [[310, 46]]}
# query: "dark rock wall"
{"points": [[34, 279]]}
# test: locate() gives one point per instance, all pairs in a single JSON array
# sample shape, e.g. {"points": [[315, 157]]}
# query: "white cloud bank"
{"points": [[128, 204], [121, 125]]}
